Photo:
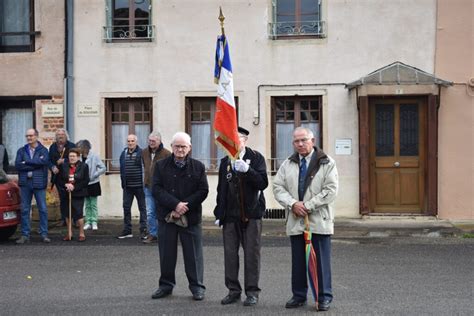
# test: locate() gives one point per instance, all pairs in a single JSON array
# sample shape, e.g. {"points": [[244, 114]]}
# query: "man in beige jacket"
{"points": [[306, 185]]}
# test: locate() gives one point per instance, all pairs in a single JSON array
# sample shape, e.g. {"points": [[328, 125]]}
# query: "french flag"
{"points": [[225, 121]]}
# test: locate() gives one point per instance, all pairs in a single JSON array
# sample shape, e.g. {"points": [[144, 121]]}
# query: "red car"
{"points": [[9, 209]]}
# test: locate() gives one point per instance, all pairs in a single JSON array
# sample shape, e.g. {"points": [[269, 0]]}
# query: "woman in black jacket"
{"points": [[74, 177]]}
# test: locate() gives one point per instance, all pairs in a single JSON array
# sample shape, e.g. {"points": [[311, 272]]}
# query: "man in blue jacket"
{"points": [[32, 162], [131, 176]]}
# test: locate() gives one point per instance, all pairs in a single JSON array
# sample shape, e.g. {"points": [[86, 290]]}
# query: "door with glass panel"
{"points": [[397, 155]]}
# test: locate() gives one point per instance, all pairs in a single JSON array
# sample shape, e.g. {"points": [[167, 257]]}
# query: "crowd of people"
{"points": [[170, 187]]}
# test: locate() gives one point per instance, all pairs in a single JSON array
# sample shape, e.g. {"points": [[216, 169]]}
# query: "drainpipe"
{"points": [[68, 65]]}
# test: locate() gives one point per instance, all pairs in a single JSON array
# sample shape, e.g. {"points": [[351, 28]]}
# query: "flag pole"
{"points": [[221, 18]]}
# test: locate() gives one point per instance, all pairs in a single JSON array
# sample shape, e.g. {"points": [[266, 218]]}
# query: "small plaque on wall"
{"points": [[87, 110], [343, 146], [52, 110]]}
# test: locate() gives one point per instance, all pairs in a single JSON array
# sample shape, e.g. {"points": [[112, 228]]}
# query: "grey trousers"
{"points": [[249, 236]]}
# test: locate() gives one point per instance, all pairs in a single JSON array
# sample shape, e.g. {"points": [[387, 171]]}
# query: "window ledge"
{"points": [[127, 33], [296, 30]]}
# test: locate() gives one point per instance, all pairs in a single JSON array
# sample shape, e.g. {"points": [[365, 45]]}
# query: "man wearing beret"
{"points": [[240, 207]]}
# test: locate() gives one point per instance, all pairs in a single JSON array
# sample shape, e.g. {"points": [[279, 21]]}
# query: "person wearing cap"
{"points": [[240, 207]]}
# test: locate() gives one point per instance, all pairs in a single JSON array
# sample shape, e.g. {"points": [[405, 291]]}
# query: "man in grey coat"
{"points": [[306, 185]]}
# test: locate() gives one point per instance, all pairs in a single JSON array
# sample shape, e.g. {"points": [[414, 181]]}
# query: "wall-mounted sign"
{"points": [[88, 110], [343, 146], [52, 110]]}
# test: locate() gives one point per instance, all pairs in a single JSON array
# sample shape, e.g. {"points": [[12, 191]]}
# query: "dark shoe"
{"points": [[230, 299], [22, 240], [198, 296], [143, 235], [124, 235], [251, 300], [150, 239], [294, 303], [45, 239], [160, 293], [324, 306]]}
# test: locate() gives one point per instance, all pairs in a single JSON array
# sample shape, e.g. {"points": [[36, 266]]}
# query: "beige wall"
{"points": [[362, 36], [40, 72], [455, 61]]}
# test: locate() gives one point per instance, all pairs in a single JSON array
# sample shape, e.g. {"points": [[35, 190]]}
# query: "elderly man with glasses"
{"points": [[179, 187]]}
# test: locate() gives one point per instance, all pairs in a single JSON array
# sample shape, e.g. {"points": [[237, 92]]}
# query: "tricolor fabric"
{"points": [[225, 121], [311, 261]]}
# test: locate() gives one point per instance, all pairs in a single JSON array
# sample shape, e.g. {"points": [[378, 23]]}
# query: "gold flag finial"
{"points": [[221, 18]]}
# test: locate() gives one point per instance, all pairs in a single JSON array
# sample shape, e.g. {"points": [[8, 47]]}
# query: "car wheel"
{"points": [[7, 232]]}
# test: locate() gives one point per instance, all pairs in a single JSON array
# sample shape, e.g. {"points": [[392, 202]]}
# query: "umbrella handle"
{"points": [[306, 222]]}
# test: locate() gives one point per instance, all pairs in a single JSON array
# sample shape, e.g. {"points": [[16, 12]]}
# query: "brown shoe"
{"points": [[150, 239]]}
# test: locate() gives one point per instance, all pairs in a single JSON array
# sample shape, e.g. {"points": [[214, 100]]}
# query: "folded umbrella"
{"points": [[311, 262]]}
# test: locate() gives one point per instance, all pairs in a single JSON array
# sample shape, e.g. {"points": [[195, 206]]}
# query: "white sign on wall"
{"points": [[52, 110], [343, 146], [88, 110]]}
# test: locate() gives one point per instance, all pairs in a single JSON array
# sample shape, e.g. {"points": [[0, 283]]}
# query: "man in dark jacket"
{"points": [[179, 187], [58, 156], [32, 162], [131, 176], [240, 207]]}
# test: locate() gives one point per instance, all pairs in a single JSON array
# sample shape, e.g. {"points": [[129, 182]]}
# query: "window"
{"points": [[129, 20], [124, 117], [16, 116], [296, 18], [200, 113], [287, 114], [17, 26]]}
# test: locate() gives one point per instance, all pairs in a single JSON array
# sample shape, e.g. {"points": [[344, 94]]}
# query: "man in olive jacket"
{"points": [[240, 207], [306, 185], [179, 188]]}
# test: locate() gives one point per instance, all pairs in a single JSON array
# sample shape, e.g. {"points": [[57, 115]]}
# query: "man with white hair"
{"points": [[150, 155], [179, 187], [131, 176], [58, 156]]}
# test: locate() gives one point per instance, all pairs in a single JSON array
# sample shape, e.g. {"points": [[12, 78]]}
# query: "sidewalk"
{"points": [[367, 226]]}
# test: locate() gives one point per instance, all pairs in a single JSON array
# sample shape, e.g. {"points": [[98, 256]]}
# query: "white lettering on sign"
{"points": [[87, 110]]}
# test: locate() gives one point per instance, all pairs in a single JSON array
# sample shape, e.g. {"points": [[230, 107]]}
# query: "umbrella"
{"points": [[311, 263]]}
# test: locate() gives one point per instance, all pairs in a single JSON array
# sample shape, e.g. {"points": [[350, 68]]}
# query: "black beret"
{"points": [[243, 131]]}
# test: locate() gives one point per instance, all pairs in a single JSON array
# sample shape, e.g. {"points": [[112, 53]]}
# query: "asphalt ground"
{"points": [[107, 276]]}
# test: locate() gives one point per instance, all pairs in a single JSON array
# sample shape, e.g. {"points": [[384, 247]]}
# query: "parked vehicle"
{"points": [[9, 207]]}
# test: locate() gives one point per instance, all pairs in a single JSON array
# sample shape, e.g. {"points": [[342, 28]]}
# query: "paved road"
{"points": [[378, 276]]}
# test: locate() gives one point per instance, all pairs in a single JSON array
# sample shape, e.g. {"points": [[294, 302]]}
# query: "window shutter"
{"points": [[108, 21]]}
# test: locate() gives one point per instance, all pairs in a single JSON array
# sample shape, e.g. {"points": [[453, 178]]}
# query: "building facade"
{"points": [[370, 78]]}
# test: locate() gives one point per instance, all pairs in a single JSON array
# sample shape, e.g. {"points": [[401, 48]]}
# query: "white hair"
{"points": [[134, 136], [155, 134], [62, 130], [307, 130], [183, 136]]}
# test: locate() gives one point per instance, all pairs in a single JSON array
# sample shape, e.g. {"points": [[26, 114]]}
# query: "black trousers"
{"points": [[249, 236], [77, 207], [191, 241], [299, 282], [128, 194]]}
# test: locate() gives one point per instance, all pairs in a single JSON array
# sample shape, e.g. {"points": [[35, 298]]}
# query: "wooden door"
{"points": [[397, 155]]}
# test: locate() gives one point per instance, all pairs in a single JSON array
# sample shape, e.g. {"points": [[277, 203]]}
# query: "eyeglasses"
{"points": [[180, 146], [30, 135]]}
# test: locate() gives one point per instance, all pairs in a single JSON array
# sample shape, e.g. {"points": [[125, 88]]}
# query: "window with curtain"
{"points": [[287, 114], [129, 20], [15, 117], [297, 18], [124, 117], [200, 112], [16, 26]]}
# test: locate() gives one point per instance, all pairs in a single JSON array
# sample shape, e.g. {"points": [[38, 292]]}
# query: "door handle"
{"points": [[396, 164]]}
